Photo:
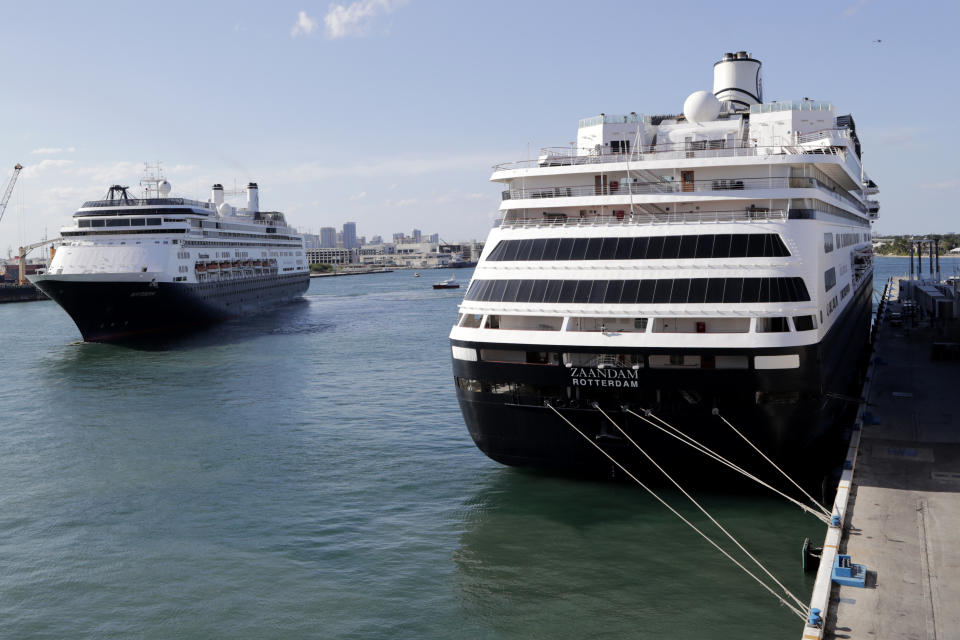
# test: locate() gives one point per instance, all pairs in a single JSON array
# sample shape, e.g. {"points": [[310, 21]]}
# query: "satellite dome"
{"points": [[224, 209], [701, 106], [164, 189]]}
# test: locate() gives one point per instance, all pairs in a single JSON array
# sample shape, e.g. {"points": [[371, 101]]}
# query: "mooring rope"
{"points": [[799, 602], [690, 442], [773, 464], [776, 595]]}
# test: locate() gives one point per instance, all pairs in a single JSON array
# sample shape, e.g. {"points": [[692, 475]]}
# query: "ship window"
{"points": [[539, 287], [609, 249], [624, 247], [704, 246], [639, 250], [510, 253], [630, 288], [502, 355], [510, 293], [567, 291], [468, 384], [698, 290], [83, 223], [721, 246], [829, 279], [645, 291], [471, 320], [681, 287], [582, 293], [688, 247], [732, 290], [671, 248], [614, 291], [137, 222], [751, 290], [566, 249], [715, 289], [524, 291], [154, 221], [550, 249], [97, 223], [661, 293], [536, 250], [674, 361], [827, 242], [755, 244], [579, 249], [655, 248], [523, 252], [553, 291], [598, 292], [738, 246], [772, 325], [805, 323], [593, 248]]}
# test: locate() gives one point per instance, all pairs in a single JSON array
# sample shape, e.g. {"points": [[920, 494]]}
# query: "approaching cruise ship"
{"points": [[713, 262], [133, 266]]}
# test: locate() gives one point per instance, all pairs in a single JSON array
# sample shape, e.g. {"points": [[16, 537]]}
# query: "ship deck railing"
{"points": [[622, 188], [565, 156], [144, 202], [644, 218]]}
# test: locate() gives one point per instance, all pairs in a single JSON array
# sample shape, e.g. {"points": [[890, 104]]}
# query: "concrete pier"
{"points": [[903, 518]]}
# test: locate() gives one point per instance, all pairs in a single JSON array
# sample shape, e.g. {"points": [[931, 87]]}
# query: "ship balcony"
{"points": [[517, 219], [567, 157], [616, 190]]}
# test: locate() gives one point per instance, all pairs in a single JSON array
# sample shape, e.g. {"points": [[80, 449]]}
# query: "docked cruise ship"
{"points": [[713, 263], [131, 266]]}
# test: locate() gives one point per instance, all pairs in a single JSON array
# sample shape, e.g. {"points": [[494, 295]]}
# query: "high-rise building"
{"points": [[416, 235], [434, 238], [328, 238], [350, 235], [377, 239], [398, 238]]}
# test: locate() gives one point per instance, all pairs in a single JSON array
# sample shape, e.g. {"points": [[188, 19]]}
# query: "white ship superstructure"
{"points": [[129, 266], [714, 259]]}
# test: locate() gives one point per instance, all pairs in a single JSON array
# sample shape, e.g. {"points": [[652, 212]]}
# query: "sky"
{"points": [[391, 113]]}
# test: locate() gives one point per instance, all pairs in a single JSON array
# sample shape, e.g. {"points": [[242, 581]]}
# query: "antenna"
{"points": [[151, 179]]}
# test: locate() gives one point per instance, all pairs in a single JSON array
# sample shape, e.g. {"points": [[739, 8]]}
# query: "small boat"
{"points": [[416, 275], [449, 283]]}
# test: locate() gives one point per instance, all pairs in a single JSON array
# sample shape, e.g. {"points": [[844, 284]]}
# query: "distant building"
{"points": [[350, 235], [376, 240], [340, 239], [328, 238], [416, 236], [434, 238], [335, 255], [311, 241], [399, 238]]}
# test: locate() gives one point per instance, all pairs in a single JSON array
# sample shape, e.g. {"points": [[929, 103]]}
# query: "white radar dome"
{"points": [[701, 106], [224, 209], [164, 189]]}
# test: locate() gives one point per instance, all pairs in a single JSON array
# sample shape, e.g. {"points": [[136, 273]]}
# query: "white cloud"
{"points": [[359, 196], [304, 26], [47, 151], [353, 20], [33, 170]]}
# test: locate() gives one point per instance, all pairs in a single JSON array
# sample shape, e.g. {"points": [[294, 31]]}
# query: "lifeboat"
{"points": [[213, 266], [200, 267]]}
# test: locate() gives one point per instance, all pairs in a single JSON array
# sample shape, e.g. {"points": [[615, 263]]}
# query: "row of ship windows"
{"points": [[620, 325], [754, 245], [120, 222], [841, 240], [660, 291], [625, 360]]}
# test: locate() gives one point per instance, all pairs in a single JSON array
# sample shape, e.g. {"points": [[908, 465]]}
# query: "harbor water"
{"points": [[306, 473]]}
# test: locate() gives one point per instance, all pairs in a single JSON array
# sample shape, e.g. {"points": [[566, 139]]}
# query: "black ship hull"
{"points": [[110, 311], [788, 413]]}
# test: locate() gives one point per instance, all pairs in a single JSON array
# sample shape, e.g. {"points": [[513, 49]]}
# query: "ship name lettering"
{"points": [[586, 377]]}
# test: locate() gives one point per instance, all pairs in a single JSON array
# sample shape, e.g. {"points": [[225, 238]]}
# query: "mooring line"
{"points": [[690, 442], [799, 602], [776, 595], [773, 464]]}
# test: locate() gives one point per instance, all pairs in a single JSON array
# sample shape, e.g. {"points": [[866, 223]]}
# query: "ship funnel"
{"points": [[217, 195], [736, 80], [253, 198]]}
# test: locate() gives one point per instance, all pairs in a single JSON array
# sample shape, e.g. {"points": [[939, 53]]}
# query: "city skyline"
{"points": [[245, 96]]}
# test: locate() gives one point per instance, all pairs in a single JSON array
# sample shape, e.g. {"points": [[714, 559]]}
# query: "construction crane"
{"points": [[22, 258], [9, 191]]}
